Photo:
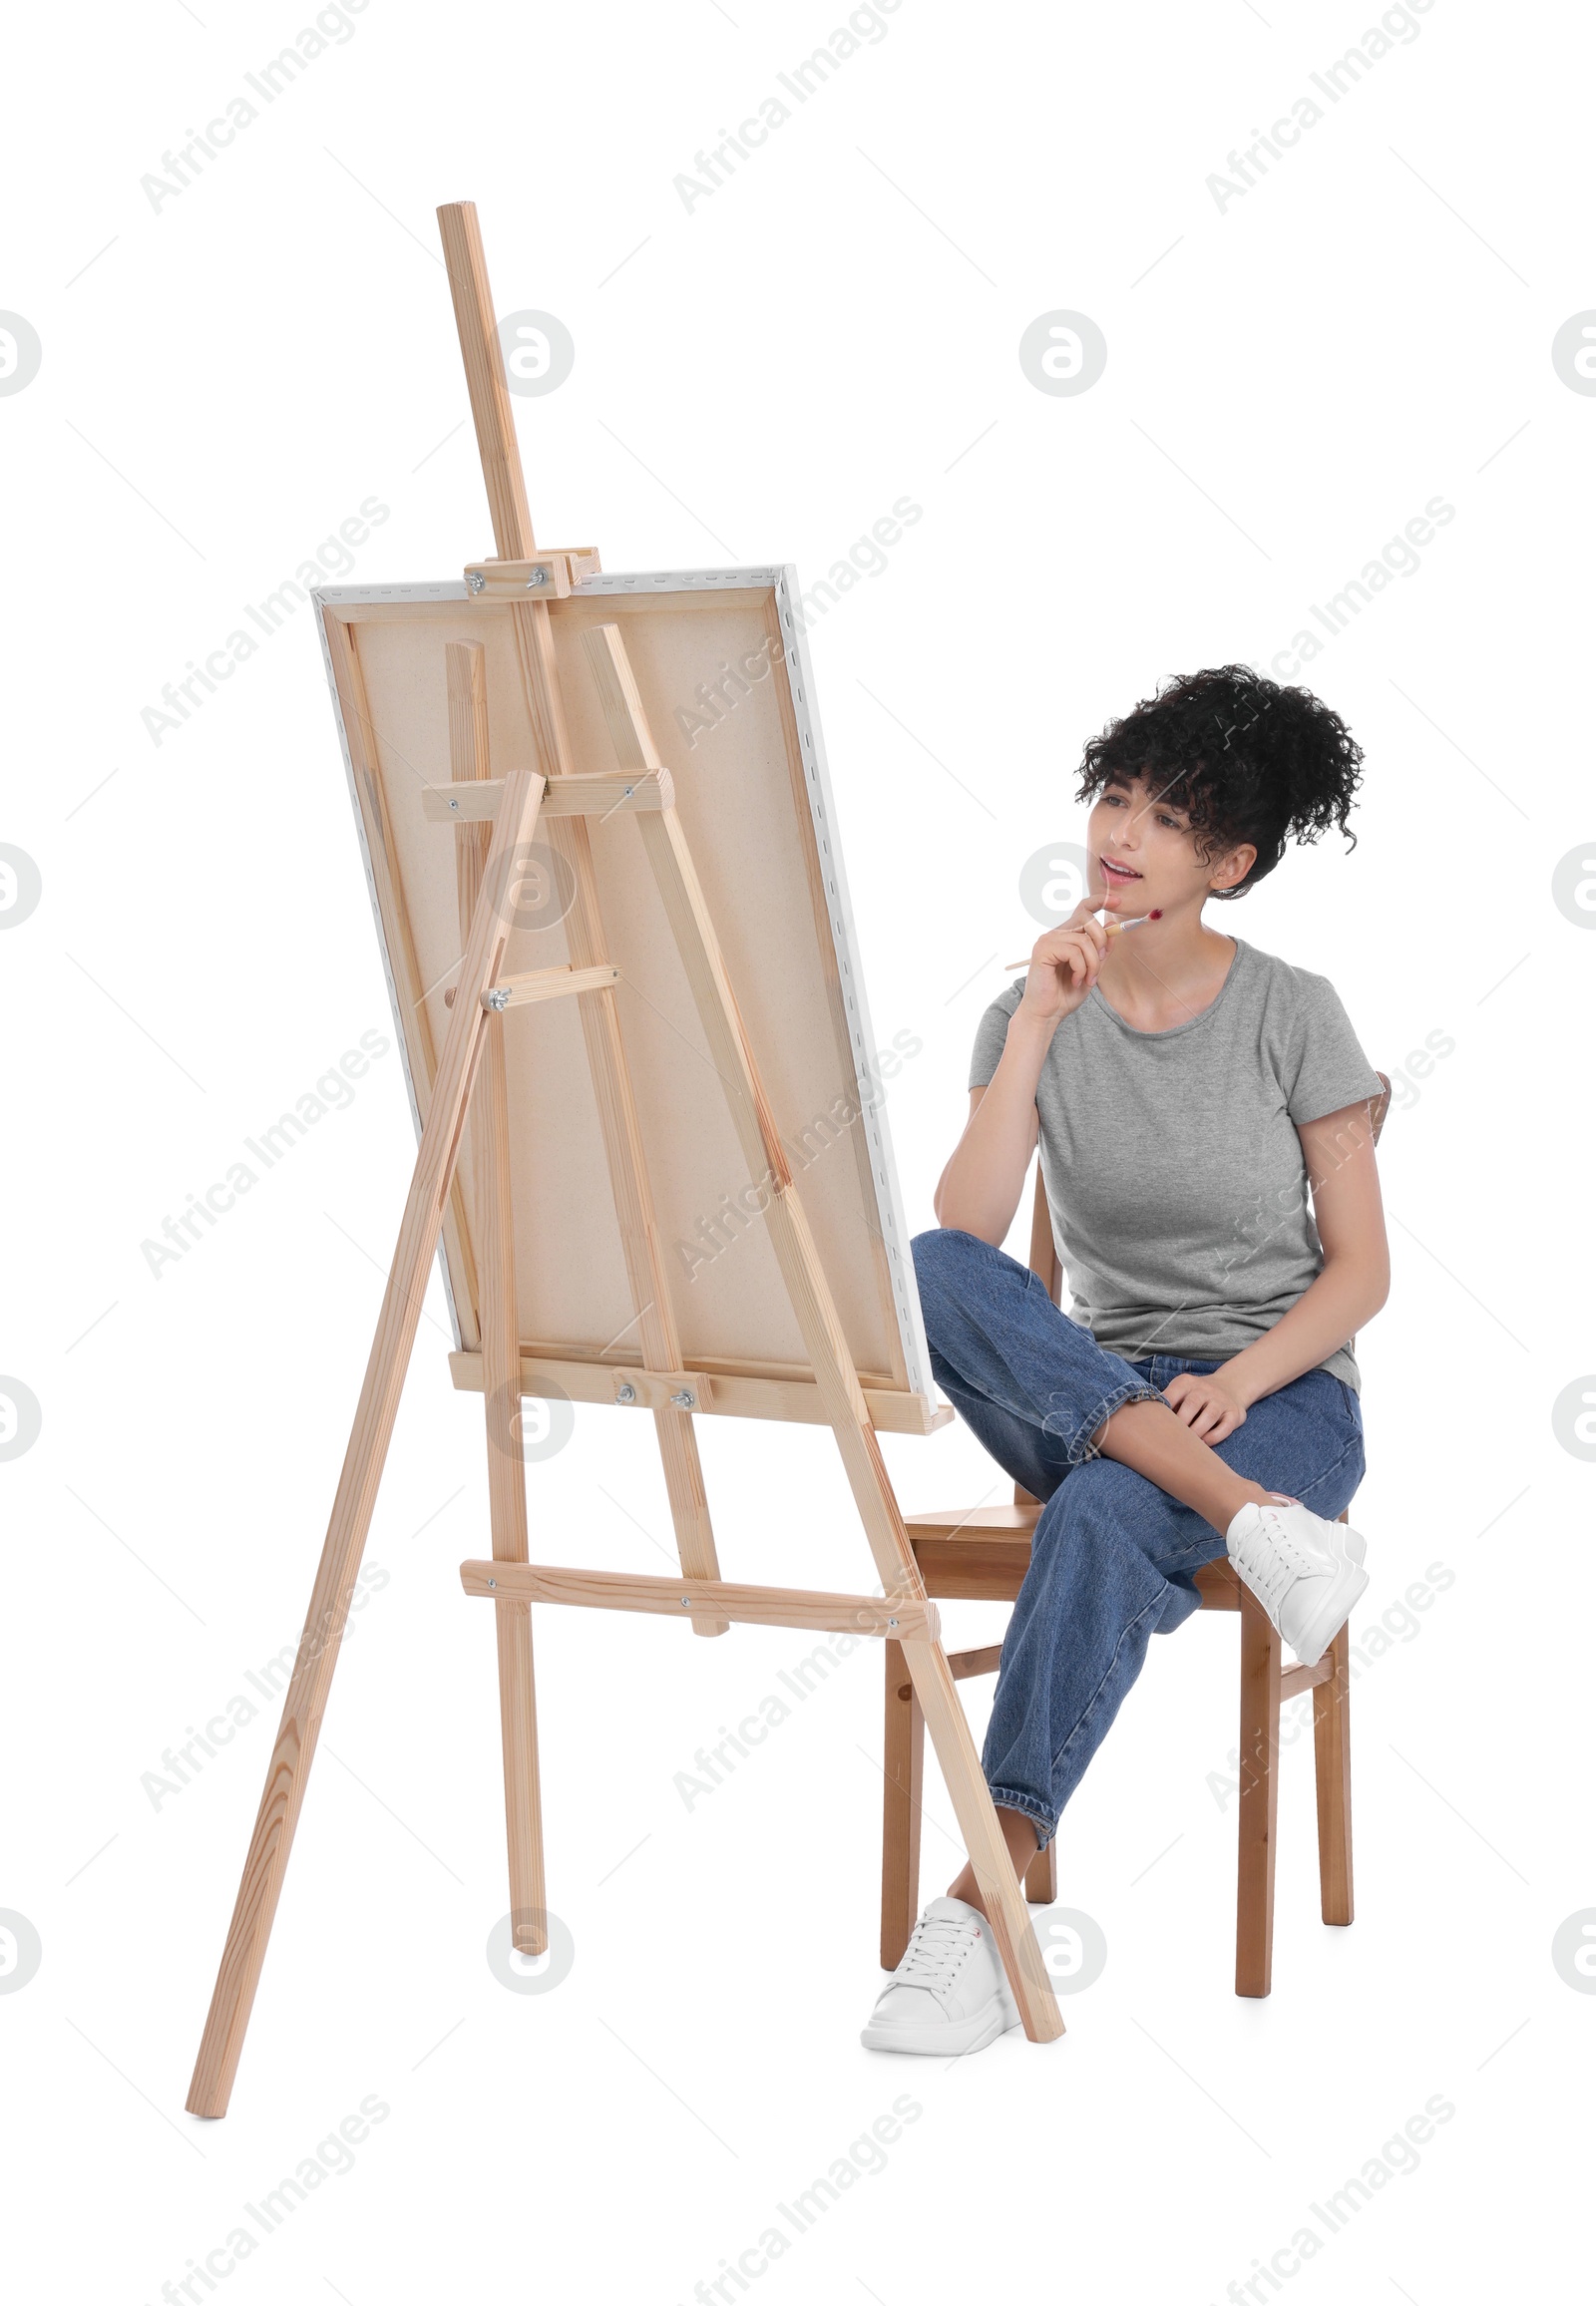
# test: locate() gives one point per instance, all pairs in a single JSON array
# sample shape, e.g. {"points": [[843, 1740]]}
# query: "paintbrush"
{"points": [[1113, 926]]}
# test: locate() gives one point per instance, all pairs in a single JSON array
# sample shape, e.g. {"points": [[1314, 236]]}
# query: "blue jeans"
{"points": [[1113, 1556]]}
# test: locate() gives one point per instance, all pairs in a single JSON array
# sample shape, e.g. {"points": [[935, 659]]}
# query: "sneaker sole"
{"points": [[954, 2041]]}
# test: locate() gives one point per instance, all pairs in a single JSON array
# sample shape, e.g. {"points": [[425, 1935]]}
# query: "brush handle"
{"points": [[1111, 929]]}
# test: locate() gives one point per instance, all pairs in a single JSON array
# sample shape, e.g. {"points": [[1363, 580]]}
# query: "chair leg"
{"points": [[1041, 1877], [1333, 1768], [905, 1760], [1254, 1821]]}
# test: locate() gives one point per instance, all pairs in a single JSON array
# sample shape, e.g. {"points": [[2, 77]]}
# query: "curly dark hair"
{"points": [[1246, 759]]}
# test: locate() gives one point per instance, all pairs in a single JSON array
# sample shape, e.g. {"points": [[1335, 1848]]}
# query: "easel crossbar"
{"points": [[666, 1597], [544, 984], [548, 983], [792, 1400], [475, 801]]}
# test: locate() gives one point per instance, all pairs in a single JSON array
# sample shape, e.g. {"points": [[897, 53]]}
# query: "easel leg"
{"points": [[289, 1769], [982, 1838], [507, 1499], [659, 1344], [904, 1759], [466, 671]]}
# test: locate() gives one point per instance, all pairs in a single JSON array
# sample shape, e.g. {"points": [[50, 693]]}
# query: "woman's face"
{"points": [[1144, 853]]}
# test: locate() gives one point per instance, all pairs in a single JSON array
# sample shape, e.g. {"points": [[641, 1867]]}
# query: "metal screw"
{"points": [[685, 1602], [492, 1584], [892, 1625], [681, 1401], [625, 1393], [498, 998], [538, 576], [474, 583]]}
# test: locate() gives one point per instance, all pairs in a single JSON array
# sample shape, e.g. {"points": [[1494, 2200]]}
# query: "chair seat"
{"points": [[983, 1554], [999, 1520]]}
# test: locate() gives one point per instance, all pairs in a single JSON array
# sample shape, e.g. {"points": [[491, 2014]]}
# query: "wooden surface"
{"points": [[574, 796], [1041, 1877], [754, 1605], [903, 1792], [1294, 1679], [316, 1656], [501, 1359], [486, 383], [1256, 1811], [515, 992], [1044, 1263], [785, 1393], [1332, 1772], [965, 1665], [572, 896], [903, 1772]]}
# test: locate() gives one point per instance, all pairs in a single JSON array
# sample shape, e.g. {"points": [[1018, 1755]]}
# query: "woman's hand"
{"points": [[1064, 966], [1209, 1405]]}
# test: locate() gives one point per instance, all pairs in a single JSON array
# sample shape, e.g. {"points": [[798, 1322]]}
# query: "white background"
{"points": [[1289, 378]]}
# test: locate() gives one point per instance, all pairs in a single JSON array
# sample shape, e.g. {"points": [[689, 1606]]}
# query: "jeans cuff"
{"points": [[1078, 1444], [1008, 1797]]}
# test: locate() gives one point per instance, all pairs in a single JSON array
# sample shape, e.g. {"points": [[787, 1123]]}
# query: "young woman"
{"points": [[1201, 1396]]}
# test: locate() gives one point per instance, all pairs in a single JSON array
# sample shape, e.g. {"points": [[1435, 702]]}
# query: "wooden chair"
{"points": [[982, 1555]]}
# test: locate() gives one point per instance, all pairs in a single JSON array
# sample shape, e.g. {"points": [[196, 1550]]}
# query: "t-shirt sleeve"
{"points": [[991, 1034], [1325, 1065]]}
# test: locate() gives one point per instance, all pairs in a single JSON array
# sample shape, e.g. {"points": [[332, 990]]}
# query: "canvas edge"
{"points": [[320, 595], [882, 1167]]}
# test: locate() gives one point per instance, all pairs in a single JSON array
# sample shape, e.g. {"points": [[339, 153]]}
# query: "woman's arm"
{"points": [[979, 1191], [1350, 1289]]}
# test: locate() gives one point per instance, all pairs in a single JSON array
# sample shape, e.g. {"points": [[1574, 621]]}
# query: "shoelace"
{"points": [[1276, 1557], [938, 1946]]}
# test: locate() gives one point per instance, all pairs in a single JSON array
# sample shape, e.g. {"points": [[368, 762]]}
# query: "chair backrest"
{"points": [[1044, 1262]]}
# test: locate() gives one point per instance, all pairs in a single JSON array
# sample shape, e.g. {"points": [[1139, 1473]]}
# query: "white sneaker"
{"points": [[1307, 1572], [949, 1993]]}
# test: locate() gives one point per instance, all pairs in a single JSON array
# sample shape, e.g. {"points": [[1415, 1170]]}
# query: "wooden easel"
{"points": [[495, 819]]}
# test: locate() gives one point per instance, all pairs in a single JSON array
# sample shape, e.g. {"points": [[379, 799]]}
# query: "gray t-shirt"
{"points": [[1173, 1168]]}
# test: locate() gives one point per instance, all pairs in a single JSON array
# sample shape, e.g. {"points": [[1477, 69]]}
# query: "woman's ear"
{"points": [[1234, 866]]}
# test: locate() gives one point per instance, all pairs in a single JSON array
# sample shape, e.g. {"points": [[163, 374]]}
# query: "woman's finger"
{"points": [[1081, 959]]}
